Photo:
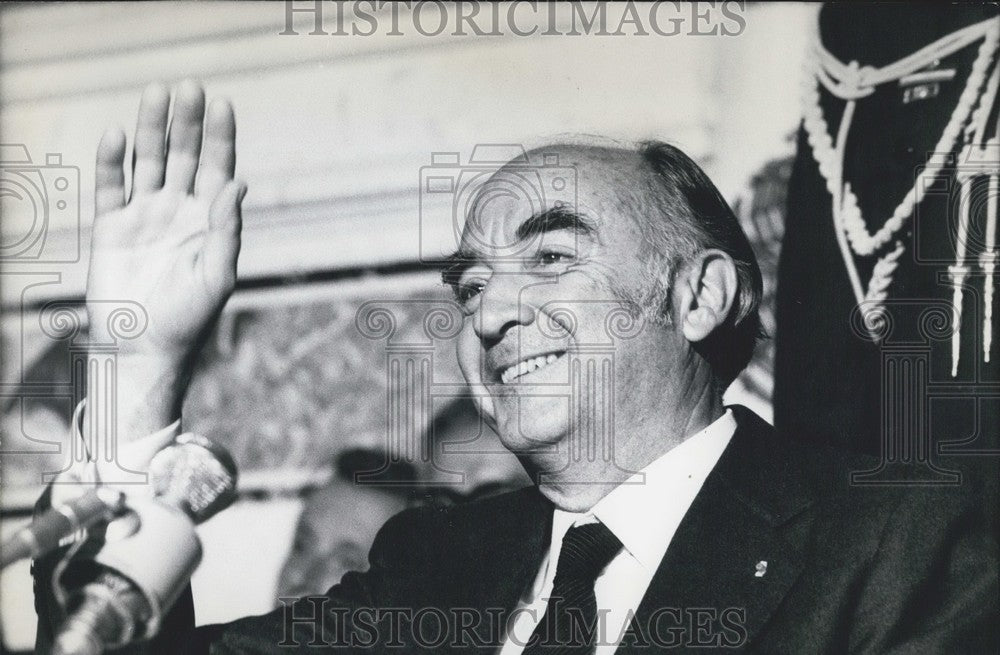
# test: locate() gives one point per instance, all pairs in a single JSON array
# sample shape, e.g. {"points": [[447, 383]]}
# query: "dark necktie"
{"points": [[570, 623]]}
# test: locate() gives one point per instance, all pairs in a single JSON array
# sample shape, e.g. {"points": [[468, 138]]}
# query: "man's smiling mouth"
{"points": [[529, 365]]}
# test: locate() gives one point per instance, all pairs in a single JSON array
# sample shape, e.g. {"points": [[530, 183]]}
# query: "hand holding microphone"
{"points": [[121, 593]]}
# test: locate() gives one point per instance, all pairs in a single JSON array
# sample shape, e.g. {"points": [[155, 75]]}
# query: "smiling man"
{"points": [[597, 415], [644, 240], [602, 325]]}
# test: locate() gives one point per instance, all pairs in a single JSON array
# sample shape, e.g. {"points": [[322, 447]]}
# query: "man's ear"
{"points": [[706, 290]]}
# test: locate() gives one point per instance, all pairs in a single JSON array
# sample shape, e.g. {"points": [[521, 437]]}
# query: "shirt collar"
{"points": [[645, 510]]}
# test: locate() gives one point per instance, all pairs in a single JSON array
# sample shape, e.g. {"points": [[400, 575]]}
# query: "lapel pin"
{"points": [[760, 569]]}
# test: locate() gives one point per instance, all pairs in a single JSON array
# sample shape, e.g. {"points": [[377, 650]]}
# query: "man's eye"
{"points": [[466, 291], [550, 257]]}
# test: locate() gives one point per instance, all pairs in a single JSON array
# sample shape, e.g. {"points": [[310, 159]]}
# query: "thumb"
{"points": [[222, 242]]}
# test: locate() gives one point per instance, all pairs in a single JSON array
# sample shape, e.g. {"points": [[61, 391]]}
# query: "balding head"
{"points": [[676, 211], [608, 280]]}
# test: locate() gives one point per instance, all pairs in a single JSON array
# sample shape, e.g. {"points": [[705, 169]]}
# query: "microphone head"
{"points": [[195, 474]]}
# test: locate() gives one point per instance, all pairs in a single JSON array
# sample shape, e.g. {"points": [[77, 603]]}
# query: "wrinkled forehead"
{"points": [[597, 184], [511, 196]]}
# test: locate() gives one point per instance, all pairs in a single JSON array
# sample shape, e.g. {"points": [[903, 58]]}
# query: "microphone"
{"points": [[48, 529], [121, 593]]}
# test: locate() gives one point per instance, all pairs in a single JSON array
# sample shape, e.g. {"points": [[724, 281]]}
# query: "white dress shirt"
{"points": [[644, 513]]}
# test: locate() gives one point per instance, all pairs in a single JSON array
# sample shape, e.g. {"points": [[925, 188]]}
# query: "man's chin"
{"points": [[534, 441], [528, 424]]}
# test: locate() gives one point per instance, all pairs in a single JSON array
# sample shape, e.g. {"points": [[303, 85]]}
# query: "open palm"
{"points": [[169, 246]]}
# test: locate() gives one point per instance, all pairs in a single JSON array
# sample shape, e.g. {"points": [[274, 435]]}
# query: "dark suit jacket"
{"points": [[902, 569]]}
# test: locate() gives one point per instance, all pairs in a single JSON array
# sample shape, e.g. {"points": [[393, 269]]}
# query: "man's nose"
{"points": [[502, 306]]}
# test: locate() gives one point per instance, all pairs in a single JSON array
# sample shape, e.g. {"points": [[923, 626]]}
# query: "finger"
{"points": [[109, 177], [218, 156], [148, 153], [222, 241], [184, 142]]}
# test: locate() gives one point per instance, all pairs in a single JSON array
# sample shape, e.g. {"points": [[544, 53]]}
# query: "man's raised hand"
{"points": [[169, 245]]}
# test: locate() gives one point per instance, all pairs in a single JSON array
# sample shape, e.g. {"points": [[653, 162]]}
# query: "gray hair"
{"points": [[692, 216]]}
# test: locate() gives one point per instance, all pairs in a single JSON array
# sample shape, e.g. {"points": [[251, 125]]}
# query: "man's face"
{"points": [[558, 362]]}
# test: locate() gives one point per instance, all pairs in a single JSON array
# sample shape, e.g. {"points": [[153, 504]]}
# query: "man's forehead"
{"points": [[591, 180], [597, 169]]}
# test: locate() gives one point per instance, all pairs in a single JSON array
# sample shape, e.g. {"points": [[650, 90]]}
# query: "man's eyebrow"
{"points": [[455, 265], [555, 218], [552, 219]]}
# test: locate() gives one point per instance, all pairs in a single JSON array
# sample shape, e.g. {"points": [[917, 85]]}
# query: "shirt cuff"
{"points": [[83, 474]]}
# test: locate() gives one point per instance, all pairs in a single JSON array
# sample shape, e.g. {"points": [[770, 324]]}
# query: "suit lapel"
{"points": [[736, 552], [502, 559]]}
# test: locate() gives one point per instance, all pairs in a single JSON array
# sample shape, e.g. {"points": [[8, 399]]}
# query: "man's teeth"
{"points": [[527, 366]]}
